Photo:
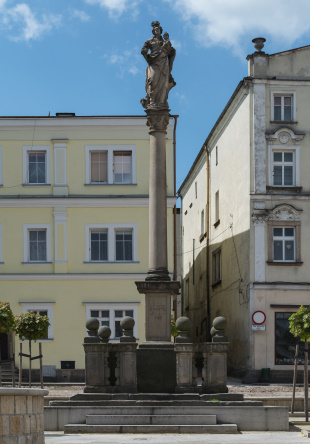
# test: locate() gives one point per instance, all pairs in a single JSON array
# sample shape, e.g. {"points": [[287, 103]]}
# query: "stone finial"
{"points": [[183, 325], [92, 325], [104, 333], [259, 44], [127, 324], [218, 330]]}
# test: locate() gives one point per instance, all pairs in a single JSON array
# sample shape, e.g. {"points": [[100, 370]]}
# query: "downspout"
{"points": [[208, 244]]}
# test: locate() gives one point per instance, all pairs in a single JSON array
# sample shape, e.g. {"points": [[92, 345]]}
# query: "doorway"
{"points": [[4, 347]]}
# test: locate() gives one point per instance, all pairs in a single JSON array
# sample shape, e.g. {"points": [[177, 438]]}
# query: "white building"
{"points": [[245, 215]]}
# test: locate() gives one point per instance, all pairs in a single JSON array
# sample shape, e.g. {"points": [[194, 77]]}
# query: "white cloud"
{"points": [[116, 8], [79, 14], [30, 27], [226, 22], [128, 61]]}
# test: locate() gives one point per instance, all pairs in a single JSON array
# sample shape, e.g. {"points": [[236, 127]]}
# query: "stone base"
{"points": [[156, 368]]}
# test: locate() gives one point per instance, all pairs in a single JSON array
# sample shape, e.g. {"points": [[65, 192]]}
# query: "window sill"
{"points": [[37, 263], [285, 189], [104, 184], [36, 185], [40, 340], [202, 237], [217, 223], [112, 262], [286, 264], [216, 284], [289, 122]]}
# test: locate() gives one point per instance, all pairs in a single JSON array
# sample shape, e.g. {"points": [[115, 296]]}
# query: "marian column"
{"points": [[157, 287]]}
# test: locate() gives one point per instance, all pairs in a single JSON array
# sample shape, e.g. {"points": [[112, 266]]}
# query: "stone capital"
{"points": [[157, 119]]}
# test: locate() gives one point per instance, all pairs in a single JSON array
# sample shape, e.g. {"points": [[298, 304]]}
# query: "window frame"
{"points": [[40, 306], [283, 238], [291, 94], [90, 161], [34, 227], [284, 224], [296, 164], [216, 274], [110, 149], [36, 148], [111, 229], [112, 307]]}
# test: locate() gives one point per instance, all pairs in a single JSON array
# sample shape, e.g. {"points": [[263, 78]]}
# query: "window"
{"points": [[285, 342], [123, 245], [283, 106], [110, 243], [110, 164], [37, 243], [99, 166], [195, 190], [43, 309], [217, 208], [36, 165], [202, 223], [283, 168], [216, 266], [122, 167], [111, 316], [284, 244], [99, 245], [216, 155]]}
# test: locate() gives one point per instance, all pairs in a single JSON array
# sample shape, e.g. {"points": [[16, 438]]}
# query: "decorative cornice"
{"points": [[284, 135], [83, 202]]}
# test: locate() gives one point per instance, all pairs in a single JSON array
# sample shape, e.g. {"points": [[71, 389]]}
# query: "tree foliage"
{"points": [[7, 322], [31, 326], [300, 323]]}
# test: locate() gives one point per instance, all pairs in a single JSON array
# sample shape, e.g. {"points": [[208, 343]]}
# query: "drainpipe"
{"points": [[208, 244]]}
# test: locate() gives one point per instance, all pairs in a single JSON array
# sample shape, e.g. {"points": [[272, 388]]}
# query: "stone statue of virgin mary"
{"points": [[159, 54]]}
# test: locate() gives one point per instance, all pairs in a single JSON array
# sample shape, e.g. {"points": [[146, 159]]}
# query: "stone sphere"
{"points": [[220, 323], [127, 323], [183, 323], [213, 332], [92, 324], [104, 332]]}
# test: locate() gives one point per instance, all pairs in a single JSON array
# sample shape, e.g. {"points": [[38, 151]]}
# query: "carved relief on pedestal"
{"points": [[157, 120]]}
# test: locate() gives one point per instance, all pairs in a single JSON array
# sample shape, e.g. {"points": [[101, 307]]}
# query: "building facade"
{"points": [[74, 227], [250, 178]]}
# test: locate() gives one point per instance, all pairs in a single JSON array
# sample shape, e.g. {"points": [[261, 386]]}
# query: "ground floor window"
{"points": [[111, 315], [285, 342]]}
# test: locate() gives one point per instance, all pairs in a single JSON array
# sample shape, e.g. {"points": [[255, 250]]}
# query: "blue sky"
{"points": [[83, 56]]}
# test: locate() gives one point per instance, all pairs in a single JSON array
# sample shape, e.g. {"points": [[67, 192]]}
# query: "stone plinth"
{"points": [[158, 308], [22, 415], [110, 368], [156, 368]]}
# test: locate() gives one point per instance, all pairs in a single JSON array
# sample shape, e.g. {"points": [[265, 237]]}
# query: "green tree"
{"points": [[174, 330], [7, 322], [300, 323], [31, 326]]}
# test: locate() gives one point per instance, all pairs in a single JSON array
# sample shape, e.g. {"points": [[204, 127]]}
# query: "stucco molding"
{"points": [[284, 135], [284, 212]]}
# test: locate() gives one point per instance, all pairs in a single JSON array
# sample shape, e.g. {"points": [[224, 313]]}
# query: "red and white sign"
{"points": [[258, 317]]}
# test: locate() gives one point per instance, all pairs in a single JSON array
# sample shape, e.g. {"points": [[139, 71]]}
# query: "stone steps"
{"points": [[216, 429], [146, 419]]}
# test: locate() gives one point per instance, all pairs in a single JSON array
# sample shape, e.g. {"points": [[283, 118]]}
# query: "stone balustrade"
{"points": [[22, 415]]}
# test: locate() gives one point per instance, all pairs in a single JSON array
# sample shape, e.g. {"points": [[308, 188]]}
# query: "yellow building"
{"points": [[74, 227]]}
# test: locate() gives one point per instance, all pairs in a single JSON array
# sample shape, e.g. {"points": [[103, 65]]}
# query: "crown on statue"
{"points": [[155, 24]]}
